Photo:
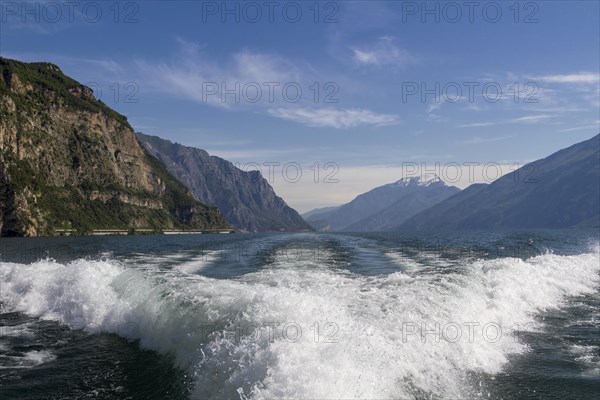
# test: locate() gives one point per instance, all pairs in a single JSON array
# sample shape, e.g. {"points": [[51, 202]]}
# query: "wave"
{"points": [[27, 360], [298, 328]]}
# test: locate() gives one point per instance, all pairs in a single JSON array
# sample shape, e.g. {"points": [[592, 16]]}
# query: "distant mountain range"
{"points": [[383, 208], [245, 198], [67, 161], [559, 191]]}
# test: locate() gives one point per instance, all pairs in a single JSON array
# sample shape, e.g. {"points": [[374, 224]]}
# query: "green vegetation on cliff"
{"points": [[47, 77]]}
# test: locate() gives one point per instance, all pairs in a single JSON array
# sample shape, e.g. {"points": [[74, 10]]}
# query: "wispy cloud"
{"points": [[477, 125], [589, 125], [582, 77], [480, 140], [474, 107], [189, 75], [193, 71], [253, 156], [334, 118], [529, 119], [381, 53], [434, 107], [581, 128]]}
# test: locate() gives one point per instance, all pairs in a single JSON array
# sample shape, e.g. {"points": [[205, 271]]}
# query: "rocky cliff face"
{"points": [[245, 198], [69, 161]]}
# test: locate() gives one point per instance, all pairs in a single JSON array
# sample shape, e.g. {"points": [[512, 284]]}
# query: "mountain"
{"points": [[316, 211], [245, 198], [67, 161], [383, 208], [559, 191], [407, 206]]}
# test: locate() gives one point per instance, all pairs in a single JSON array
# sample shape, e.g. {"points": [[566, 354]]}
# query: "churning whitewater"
{"points": [[312, 316]]}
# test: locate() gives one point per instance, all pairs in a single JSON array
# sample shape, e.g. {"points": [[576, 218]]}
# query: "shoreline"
{"points": [[140, 232]]}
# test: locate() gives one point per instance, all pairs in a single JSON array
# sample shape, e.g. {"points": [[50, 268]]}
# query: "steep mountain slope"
{"points": [[317, 211], [384, 207], [69, 161], [405, 207], [559, 191], [245, 198]]}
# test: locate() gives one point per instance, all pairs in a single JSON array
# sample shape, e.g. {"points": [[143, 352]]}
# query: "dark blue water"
{"points": [[492, 315]]}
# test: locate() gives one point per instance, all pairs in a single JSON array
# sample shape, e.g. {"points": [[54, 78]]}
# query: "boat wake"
{"points": [[303, 328]]}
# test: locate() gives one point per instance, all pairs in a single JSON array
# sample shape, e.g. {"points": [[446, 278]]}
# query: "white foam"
{"points": [[22, 330], [588, 357], [196, 264], [39, 357], [406, 264], [75, 294], [362, 353], [28, 360]]}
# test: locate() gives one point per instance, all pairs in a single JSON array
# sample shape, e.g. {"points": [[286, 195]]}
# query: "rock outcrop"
{"points": [[67, 161]]}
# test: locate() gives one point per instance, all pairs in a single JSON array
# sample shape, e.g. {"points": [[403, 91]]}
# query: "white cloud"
{"points": [[529, 119], [249, 157], [383, 52], [477, 125], [194, 76], [590, 125], [473, 107], [334, 118], [479, 140], [583, 77], [366, 57], [434, 107]]}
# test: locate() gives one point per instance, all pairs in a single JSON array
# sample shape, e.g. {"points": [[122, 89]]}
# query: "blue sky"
{"points": [[379, 81]]}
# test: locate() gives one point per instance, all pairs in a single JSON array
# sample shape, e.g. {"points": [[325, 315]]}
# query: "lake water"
{"points": [[490, 315]]}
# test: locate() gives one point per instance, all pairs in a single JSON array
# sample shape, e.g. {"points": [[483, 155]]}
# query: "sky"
{"points": [[330, 99]]}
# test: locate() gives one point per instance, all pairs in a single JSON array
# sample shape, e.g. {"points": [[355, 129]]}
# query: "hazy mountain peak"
{"points": [[419, 181], [384, 207]]}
